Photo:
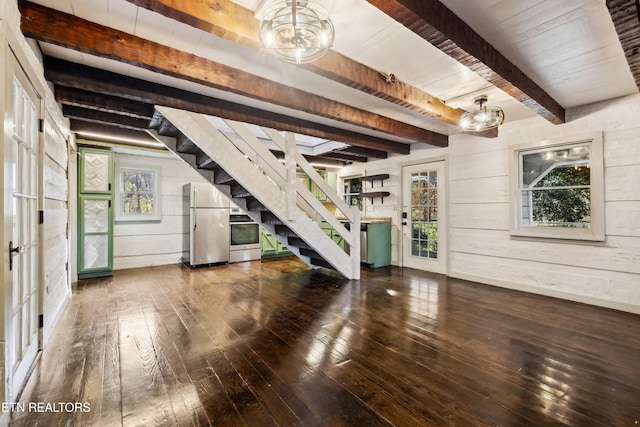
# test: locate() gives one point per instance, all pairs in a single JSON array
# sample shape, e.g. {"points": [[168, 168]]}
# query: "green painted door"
{"points": [[95, 213]]}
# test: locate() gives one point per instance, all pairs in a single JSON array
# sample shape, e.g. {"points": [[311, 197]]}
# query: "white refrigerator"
{"points": [[207, 217]]}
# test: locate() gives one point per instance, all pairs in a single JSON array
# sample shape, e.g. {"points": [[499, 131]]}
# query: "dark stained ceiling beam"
{"points": [[109, 104], [316, 159], [346, 156], [102, 132], [625, 15], [365, 152], [69, 74], [320, 161], [438, 25], [232, 22], [96, 116], [51, 26]]}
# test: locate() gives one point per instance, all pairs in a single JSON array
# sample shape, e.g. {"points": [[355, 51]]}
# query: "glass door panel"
{"points": [[423, 225]]}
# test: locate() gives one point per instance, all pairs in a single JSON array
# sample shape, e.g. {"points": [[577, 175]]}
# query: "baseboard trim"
{"points": [[614, 305], [50, 326]]}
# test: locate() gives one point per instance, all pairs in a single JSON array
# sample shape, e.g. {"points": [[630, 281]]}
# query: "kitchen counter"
{"points": [[375, 241], [367, 219]]}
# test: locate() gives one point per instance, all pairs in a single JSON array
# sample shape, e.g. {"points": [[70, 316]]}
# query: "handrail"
{"points": [[310, 201], [313, 175], [349, 236], [265, 173], [251, 146]]}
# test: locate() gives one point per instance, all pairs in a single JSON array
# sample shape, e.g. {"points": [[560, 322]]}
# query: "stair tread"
{"points": [[226, 156]]}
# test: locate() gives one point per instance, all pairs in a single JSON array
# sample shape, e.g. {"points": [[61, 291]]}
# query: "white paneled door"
{"points": [[22, 203], [424, 244]]}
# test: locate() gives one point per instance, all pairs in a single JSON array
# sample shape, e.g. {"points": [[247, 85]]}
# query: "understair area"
{"points": [[239, 164]]}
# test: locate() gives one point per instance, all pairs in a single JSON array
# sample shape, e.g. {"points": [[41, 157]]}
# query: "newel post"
{"points": [[290, 166], [355, 247]]}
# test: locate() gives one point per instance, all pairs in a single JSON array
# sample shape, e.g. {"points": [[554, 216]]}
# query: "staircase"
{"points": [[241, 166]]}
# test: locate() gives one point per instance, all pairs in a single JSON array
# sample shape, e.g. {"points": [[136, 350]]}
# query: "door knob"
{"points": [[12, 252]]}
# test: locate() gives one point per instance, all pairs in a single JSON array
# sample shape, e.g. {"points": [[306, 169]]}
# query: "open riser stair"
{"points": [[239, 164]]}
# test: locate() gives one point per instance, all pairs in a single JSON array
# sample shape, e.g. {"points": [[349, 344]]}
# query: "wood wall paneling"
{"points": [[140, 244]]}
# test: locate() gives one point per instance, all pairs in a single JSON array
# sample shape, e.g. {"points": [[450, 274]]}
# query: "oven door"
{"points": [[245, 235]]}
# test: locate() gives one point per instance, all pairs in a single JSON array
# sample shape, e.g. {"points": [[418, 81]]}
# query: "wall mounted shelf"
{"points": [[373, 194], [380, 177]]}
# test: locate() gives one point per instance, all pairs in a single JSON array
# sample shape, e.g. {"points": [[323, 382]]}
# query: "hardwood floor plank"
{"points": [[275, 344]]}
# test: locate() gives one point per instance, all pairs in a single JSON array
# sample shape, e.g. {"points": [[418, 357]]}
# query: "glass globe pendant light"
{"points": [[484, 118], [297, 31]]}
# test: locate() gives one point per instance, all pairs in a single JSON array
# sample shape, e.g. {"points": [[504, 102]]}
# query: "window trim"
{"points": [[596, 232], [344, 195], [121, 216]]}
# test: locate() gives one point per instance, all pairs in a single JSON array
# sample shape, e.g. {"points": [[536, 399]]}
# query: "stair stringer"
{"points": [[247, 173]]}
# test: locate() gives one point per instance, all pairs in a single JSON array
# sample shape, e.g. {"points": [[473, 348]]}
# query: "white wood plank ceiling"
{"points": [[570, 48]]}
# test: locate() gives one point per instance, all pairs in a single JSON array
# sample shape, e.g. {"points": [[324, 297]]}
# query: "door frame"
{"points": [[15, 51], [443, 213]]}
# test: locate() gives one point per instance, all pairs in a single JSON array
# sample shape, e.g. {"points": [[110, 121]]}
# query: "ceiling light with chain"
{"points": [[297, 31], [484, 118]]}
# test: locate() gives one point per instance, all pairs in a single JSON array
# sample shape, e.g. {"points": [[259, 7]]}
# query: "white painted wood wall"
{"points": [[143, 244], [57, 284], [481, 248]]}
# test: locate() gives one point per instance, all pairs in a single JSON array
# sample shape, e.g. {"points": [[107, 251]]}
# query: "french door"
{"points": [[21, 197], [424, 225]]}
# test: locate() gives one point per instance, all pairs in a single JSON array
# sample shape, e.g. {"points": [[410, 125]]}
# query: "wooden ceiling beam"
{"points": [[342, 155], [103, 117], [364, 152], [235, 23], [71, 32], [106, 132], [438, 25], [69, 74], [625, 15], [97, 101], [316, 159]]}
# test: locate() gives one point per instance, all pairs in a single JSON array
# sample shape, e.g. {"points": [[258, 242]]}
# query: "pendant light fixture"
{"points": [[297, 31], [483, 118]]}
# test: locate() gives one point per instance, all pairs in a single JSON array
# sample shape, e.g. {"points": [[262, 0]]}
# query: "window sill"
{"points": [[561, 240]]}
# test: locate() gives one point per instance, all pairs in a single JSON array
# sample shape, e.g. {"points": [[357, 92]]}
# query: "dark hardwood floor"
{"points": [[272, 343]]}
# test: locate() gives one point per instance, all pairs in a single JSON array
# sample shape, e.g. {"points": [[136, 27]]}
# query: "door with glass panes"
{"points": [[22, 203], [424, 224]]}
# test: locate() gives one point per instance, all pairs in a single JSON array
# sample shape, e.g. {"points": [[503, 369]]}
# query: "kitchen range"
{"points": [[245, 237], [218, 231]]}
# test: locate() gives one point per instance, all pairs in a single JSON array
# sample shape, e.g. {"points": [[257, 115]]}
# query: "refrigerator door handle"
{"points": [[195, 204]]}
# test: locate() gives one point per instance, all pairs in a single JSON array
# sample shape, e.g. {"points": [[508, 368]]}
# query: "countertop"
{"points": [[369, 220]]}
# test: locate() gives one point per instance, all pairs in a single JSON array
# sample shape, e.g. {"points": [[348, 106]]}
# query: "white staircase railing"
{"points": [[247, 159]]}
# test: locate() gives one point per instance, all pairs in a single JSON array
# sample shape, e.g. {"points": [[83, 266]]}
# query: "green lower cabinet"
{"points": [[271, 247], [378, 244]]}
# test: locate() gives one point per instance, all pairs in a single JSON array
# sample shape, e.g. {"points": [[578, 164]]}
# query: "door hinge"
{"points": [[41, 321], [41, 217], [40, 125]]}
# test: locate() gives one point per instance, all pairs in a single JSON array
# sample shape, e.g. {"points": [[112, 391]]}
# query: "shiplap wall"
{"points": [[142, 244], [481, 247], [483, 250], [57, 283]]}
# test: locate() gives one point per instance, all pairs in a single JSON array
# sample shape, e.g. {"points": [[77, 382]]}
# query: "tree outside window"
{"points": [[138, 194], [560, 191]]}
